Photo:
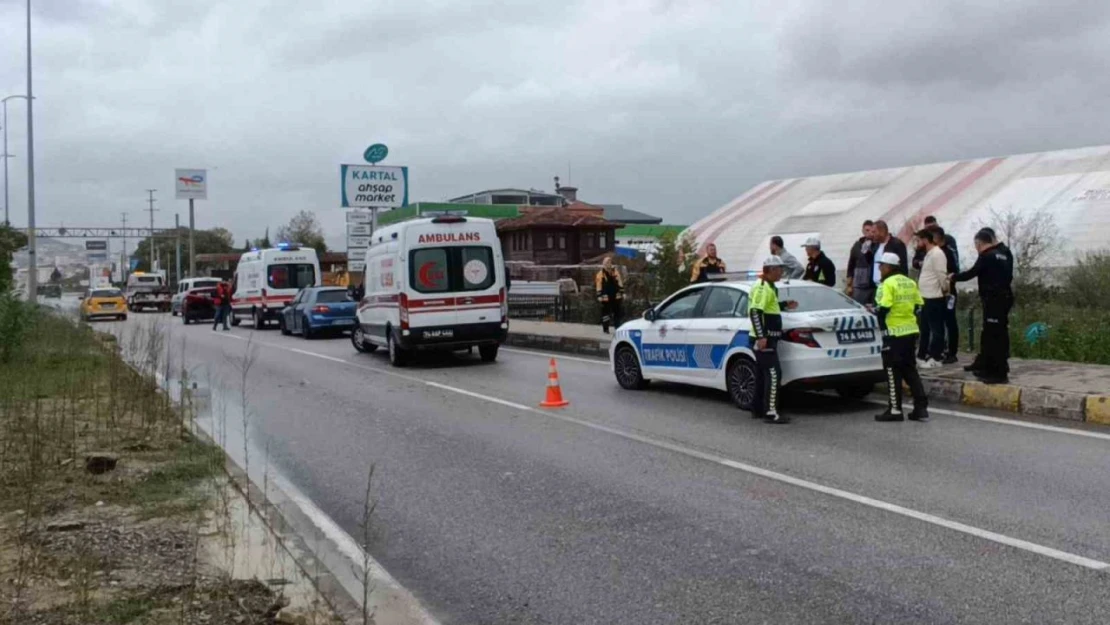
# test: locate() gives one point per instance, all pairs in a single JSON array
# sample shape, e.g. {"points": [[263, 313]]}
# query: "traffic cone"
{"points": [[554, 393]]}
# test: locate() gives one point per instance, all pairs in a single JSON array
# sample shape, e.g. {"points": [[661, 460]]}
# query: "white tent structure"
{"points": [[1073, 186]]}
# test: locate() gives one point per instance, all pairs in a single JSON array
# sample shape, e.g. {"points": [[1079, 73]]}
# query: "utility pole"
{"points": [[177, 245], [192, 248], [33, 274], [125, 266], [7, 155], [151, 209]]}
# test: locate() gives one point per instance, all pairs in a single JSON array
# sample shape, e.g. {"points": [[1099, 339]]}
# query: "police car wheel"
{"points": [[741, 382], [627, 369]]}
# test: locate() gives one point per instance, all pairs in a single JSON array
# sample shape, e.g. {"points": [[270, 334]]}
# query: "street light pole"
{"points": [[150, 200], [32, 275], [6, 155]]}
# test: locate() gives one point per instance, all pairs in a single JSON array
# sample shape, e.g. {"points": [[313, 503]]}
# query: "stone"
{"points": [[100, 462], [65, 526]]}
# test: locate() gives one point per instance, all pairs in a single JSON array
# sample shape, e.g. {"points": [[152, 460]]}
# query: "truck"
{"points": [[148, 290]]}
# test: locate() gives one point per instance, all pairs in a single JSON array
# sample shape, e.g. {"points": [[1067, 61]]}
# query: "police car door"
{"points": [[720, 324], [664, 352]]}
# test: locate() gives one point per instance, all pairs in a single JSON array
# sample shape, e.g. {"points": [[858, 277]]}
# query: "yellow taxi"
{"points": [[103, 303]]}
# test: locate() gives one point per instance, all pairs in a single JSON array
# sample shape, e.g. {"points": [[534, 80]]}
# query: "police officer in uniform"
{"points": [[898, 302], [707, 266], [764, 309], [610, 292], [995, 269]]}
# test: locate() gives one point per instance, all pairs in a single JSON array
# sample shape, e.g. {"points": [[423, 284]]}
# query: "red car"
{"points": [[198, 305]]}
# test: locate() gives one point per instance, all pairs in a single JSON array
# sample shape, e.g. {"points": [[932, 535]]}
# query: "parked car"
{"points": [[318, 309], [186, 285], [198, 305], [700, 336], [103, 303]]}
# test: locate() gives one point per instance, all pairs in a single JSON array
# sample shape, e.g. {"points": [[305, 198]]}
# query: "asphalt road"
{"points": [[668, 505]]}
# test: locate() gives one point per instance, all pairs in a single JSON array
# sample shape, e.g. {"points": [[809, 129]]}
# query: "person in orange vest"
{"points": [[610, 291], [708, 265]]}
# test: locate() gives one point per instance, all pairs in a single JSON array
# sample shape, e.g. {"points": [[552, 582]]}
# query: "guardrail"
{"points": [[537, 301]]}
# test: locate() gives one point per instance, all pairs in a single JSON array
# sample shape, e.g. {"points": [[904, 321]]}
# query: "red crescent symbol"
{"points": [[425, 276]]}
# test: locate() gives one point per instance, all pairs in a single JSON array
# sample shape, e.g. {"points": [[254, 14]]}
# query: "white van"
{"points": [[186, 285], [434, 284], [267, 280]]}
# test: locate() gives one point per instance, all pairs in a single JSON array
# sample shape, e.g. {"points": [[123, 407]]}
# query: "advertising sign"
{"points": [[97, 257], [375, 153], [370, 186], [97, 246], [357, 242], [191, 184], [359, 217], [362, 230], [356, 266]]}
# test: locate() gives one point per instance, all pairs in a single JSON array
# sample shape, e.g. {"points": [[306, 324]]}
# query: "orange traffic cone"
{"points": [[554, 393]]}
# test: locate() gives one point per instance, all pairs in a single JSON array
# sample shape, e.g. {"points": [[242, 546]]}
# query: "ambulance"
{"points": [[267, 280], [434, 283]]}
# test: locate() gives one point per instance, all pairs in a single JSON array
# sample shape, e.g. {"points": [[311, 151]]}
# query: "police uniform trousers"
{"points": [[994, 341], [768, 377], [901, 366]]}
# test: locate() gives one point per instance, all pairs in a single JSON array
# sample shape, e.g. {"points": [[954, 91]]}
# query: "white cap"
{"points": [[813, 242], [773, 261], [890, 258]]}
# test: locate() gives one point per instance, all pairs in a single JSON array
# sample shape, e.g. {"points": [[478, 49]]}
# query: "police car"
{"points": [[699, 336]]}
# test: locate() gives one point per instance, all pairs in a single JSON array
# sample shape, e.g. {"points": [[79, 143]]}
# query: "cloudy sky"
{"points": [[667, 106]]}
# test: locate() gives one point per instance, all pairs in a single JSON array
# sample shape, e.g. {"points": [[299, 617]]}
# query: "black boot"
{"points": [[920, 413], [890, 415], [776, 418]]}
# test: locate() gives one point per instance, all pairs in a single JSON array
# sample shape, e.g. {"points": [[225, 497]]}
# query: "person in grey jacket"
{"points": [[792, 270]]}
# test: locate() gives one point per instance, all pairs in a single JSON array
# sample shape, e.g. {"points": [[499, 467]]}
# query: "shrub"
{"points": [[16, 318]]}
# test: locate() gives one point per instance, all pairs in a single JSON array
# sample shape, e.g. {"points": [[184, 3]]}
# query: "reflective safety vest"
{"points": [[764, 311], [900, 296]]}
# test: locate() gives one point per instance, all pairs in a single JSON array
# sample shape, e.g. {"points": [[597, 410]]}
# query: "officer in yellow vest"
{"points": [[765, 312], [707, 266], [898, 302]]}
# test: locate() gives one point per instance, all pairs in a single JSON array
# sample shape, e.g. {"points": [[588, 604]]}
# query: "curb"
{"points": [[1029, 401]]}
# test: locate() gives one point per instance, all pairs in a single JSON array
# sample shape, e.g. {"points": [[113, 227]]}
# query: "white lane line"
{"points": [[924, 517], [945, 411]]}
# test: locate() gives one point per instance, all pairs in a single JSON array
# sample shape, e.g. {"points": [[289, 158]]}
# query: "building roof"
{"points": [[488, 211], [506, 191], [642, 230], [618, 213], [554, 217], [1071, 185]]}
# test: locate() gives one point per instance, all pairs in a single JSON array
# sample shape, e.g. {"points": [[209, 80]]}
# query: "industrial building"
{"points": [[1071, 185]]}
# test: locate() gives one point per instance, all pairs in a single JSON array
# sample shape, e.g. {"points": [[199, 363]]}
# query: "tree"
{"points": [[11, 240], [671, 263], [304, 228], [213, 241], [1033, 239], [247, 245]]}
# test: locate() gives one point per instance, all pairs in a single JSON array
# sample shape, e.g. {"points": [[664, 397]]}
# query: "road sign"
{"points": [[357, 242], [359, 217], [95, 257], [356, 266], [362, 230], [91, 246], [370, 186], [375, 153], [191, 184]]}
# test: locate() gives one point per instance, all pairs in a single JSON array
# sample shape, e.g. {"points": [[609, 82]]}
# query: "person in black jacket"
{"points": [[949, 242], [820, 268], [884, 243], [861, 261], [995, 270]]}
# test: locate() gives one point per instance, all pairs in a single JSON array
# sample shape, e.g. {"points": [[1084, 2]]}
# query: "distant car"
{"points": [[700, 336], [318, 309], [103, 303], [198, 305], [186, 285]]}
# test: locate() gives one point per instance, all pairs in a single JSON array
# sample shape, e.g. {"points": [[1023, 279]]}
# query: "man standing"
{"points": [[995, 269], [222, 302], [708, 265], [861, 284], [884, 243], [792, 269], [820, 268], [764, 310], [897, 300], [951, 322], [949, 242], [933, 285], [610, 292]]}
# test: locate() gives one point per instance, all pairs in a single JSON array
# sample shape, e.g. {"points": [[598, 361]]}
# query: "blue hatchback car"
{"points": [[319, 309]]}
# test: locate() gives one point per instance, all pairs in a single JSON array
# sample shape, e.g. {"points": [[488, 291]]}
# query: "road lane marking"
{"points": [[1017, 543]]}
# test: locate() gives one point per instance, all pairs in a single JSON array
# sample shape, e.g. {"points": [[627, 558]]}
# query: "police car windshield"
{"points": [[815, 299]]}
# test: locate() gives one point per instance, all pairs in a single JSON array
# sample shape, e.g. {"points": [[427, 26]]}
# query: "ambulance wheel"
{"points": [[488, 353], [258, 320], [235, 321], [397, 356], [627, 369], [740, 380], [358, 339]]}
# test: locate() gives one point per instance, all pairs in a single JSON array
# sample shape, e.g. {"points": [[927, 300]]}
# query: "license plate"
{"points": [[847, 337], [342, 322], [107, 305], [438, 334]]}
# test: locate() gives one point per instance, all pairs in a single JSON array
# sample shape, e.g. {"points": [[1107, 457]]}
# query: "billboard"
{"points": [[191, 184], [371, 186], [96, 246]]}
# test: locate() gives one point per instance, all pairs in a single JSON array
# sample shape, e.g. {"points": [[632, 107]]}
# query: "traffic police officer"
{"points": [[898, 301], [707, 266], [764, 310]]}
